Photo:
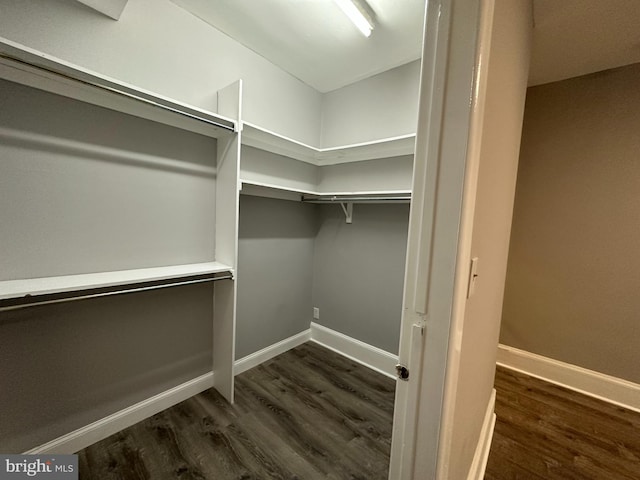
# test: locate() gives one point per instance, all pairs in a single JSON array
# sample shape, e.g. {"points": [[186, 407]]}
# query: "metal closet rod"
{"points": [[118, 89], [112, 292]]}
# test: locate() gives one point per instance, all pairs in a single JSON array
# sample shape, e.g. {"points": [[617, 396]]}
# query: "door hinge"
{"points": [[402, 372]]}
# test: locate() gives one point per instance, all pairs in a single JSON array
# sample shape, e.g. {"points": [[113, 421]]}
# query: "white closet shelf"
{"points": [[286, 193], [86, 281], [362, 197], [30, 67], [258, 137]]}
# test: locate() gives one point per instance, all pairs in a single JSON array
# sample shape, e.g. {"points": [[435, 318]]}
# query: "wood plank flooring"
{"points": [[306, 414], [548, 432]]}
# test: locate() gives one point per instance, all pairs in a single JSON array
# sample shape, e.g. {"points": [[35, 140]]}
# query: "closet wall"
{"points": [[85, 189], [381, 106], [358, 272], [572, 282], [275, 268], [357, 269], [68, 365], [104, 356], [382, 174], [294, 256], [158, 46]]}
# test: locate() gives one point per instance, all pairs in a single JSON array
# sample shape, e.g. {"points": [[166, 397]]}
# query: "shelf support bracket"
{"points": [[347, 208]]}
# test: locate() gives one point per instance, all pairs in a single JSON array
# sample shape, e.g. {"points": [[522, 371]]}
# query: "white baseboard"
{"points": [[598, 385], [372, 357], [255, 359], [368, 355], [481, 456], [101, 429]]}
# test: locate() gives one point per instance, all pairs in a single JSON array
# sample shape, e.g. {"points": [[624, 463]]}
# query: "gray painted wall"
{"points": [[265, 167], [293, 256], [67, 365], [73, 211], [65, 211], [381, 106], [359, 272], [275, 269], [573, 274], [394, 173]]}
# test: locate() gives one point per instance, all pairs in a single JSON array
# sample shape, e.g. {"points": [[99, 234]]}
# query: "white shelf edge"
{"points": [[25, 65], [376, 149], [277, 187], [370, 143], [316, 192], [262, 138], [67, 283], [366, 192], [281, 137]]}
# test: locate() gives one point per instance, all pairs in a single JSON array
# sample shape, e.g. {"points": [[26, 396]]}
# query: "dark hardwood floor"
{"points": [[548, 432], [307, 414]]}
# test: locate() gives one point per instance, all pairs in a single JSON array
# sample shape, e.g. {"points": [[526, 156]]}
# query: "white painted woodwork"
{"points": [[431, 285], [69, 283], [483, 447], [372, 357], [598, 385], [63, 78], [283, 193], [99, 430], [267, 169], [267, 353], [264, 139], [226, 247]]}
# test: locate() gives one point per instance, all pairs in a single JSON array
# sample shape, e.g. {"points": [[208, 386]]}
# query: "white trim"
{"points": [[455, 373], [264, 139], [46, 72], [255, 359], [588, 382], [480, 458], [373, 357], [101, 429], [268, 190], [84, 281]]}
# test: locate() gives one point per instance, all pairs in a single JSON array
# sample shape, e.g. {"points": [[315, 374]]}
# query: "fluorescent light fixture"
{"points": [[359, 13]]}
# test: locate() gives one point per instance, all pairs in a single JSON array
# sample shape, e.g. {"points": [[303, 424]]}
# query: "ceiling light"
{"points": [[360, 13]]}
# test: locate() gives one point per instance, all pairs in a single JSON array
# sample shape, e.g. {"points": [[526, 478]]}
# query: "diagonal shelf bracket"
{"points": [[347, 208]]}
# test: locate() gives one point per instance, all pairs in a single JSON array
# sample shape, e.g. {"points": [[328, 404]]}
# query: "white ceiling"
{"points": [[577, 37], [314, 41]]}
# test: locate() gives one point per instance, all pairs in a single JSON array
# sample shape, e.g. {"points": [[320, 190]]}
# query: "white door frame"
{"points": [[433, 303]]}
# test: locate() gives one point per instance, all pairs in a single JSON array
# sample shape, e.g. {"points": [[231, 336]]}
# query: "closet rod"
{"points": [[113, 292], [106, 85]]}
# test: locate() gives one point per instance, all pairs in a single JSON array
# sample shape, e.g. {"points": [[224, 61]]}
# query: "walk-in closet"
{"points": [[236, 235], [158, 242]]}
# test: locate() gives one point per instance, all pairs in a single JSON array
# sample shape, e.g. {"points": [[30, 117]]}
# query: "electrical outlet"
{"points": [[316, 313]]}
